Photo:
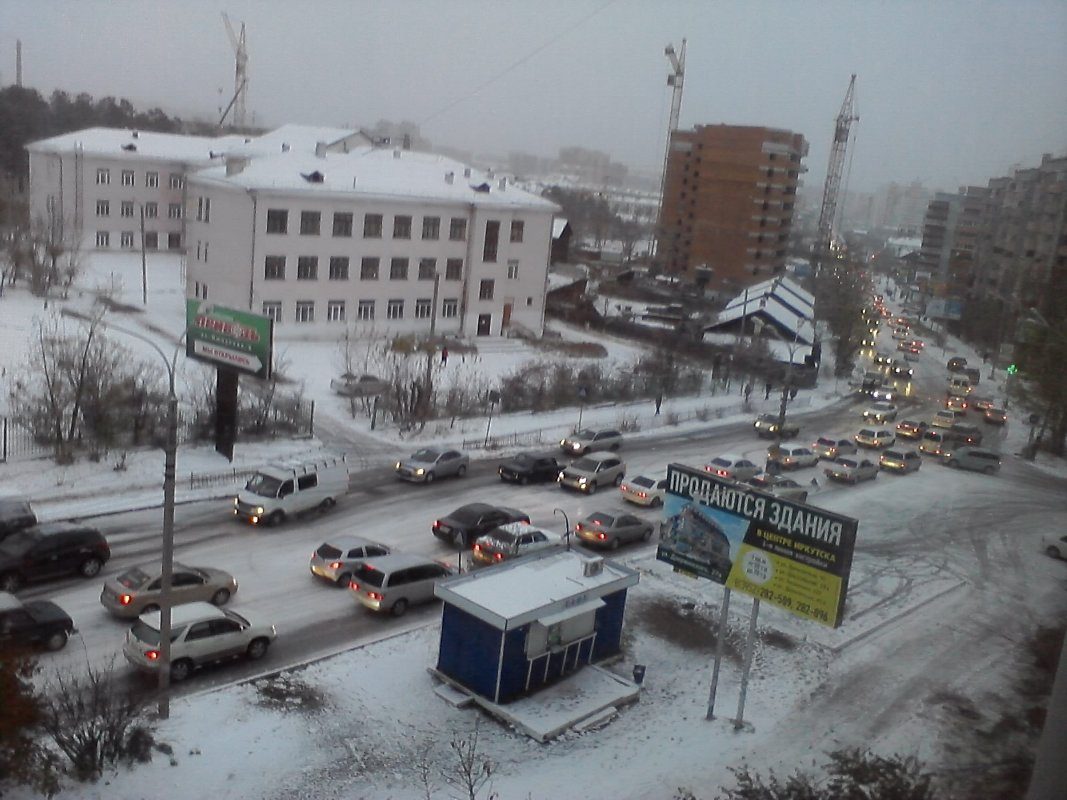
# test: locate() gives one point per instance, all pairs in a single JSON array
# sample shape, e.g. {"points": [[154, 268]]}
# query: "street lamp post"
{"points": [[566, 526], [169, 472]]}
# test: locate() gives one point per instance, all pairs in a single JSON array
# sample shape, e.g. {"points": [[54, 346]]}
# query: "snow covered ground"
{"points": [[924, 630]]}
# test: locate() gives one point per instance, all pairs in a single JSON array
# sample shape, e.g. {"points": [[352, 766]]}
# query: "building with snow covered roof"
{"points": [[385, 241], [91, 186], [778, 305]]}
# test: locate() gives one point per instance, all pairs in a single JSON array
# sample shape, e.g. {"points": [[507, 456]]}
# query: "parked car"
{"points": [[1055, 543], [16, 513], [396, 582], [766, 425], [611, 530], [592, 471], [511, 541], [995, 416], [339, 557], [852, 470], [899, 460], [875, 437], [947, 417], [34, 623], [956, 364], [911, 429], [830, 448], [468, 522], [200, 634], [790, 457], [138, 589], [51, 550], [644, 491], [733, 467], [424, 466], [588, 441], [529, 468], [780, 486], [972, 458], [880, 412]]}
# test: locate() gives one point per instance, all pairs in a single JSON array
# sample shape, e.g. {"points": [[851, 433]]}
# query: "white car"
{"points": [[880, 412], [852, 470], [793, 457], [511, 541], [733, 467], [200, 634], [644, 491], [875, 437]]}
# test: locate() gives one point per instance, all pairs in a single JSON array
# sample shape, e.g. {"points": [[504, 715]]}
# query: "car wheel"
{"points": [[613, 544], [989, 470], [615, 447], [399, 607], [327, 504], [10, 582], [276, 519], [462, 470], [180, 670], [151, 608], [429, 477], [656, 502], [618, 479], [647, 535], [221, 597], [523, 480], [803, 497], [1053, 552], [954, 463], [591, 488], [56, 641], [91, 567], [257, 648], [344, 579]]}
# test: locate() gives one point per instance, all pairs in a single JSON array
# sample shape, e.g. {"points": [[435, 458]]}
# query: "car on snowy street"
{"points": [[424, 466], [33, 623], [602, 529], [779, 486], [468, 522], [527, 468], [911, 429], [1054, 544], [766, 426], [831, 448], [138, 589], [792, 457], [875, 437], [340, 556], [880, 412], [592, 471], [733, 467], [995, 416], [852, 470], [393, 583], [975, 459], [511, 541], [587, 441], [51, 550], [900, 460], [644, 491]]}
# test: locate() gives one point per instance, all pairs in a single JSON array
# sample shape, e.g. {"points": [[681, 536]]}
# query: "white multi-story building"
{"points": [[92, 186], [384, 241]]}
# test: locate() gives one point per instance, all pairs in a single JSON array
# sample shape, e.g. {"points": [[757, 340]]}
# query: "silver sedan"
{"points": [[428, 464]]}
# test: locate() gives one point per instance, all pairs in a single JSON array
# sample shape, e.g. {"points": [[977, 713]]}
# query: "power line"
{"points": [[514, 65]]}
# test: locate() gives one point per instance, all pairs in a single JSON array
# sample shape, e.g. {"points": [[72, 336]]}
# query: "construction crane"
{"points": [[240, 77], [675, 79], [842, 127]]}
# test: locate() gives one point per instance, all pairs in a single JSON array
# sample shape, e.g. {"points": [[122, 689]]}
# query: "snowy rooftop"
{"points": [[378, 171], [116, 142], [787, 305], [558, 226], [303, 138], [512, 592]]}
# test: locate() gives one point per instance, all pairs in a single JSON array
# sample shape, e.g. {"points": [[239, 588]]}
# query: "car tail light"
{"points": [[722, 473], [374, 595], [642, 495], [335, 565], [579, 527], [353, 586], [125, 599], [602, 535], [499, 556], [477, 548], [152, 655], [437, 524]]}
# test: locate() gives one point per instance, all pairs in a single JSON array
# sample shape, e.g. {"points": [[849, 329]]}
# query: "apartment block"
{"points": [[728, 204]]}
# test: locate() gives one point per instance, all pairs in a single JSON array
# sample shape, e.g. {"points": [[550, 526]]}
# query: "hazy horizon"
{"points": [[948, 94]]}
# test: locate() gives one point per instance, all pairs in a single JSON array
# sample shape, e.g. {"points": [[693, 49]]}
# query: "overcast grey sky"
{"points": [[947, 92]]}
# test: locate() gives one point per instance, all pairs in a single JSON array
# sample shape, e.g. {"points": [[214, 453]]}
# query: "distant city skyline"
{"points": [[949, 94]]}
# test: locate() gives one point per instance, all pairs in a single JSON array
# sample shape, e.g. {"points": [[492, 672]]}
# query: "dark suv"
{"points": [[468, 522], [51, 550], [15, 514], [529, 468], [35, 623]]}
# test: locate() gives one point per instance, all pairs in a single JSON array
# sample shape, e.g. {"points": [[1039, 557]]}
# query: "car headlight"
{"points": [[420, 471], [582, 481], [259, 511], [235, 502], [576, 446], [562, 442], [397, 465], [559, 477]]}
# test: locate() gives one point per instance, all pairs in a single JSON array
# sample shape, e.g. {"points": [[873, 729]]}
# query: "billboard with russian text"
{"points": [[792, 555], [227, 337]]}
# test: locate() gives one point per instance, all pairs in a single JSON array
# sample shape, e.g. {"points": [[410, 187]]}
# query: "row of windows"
{"points": [[307, 268], [151, 240], [151, 178], [337, 310], [373, 226], [126, 209]]}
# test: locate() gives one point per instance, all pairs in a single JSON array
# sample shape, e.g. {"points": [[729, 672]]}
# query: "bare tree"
{"points": [[471, 768]]}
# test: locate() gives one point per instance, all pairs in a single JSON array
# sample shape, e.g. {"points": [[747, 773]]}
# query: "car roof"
{"points": [[8, 601], [395, 561], [347, 540], [600, 455], [470, 510], [52, 528], [185, 614]]}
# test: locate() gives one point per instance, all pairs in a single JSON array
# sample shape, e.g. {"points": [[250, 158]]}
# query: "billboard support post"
{"points": [[721, 637], [749, 647]]}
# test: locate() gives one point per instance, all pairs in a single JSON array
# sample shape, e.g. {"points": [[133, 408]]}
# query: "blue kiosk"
{"points": [[510, 629]]}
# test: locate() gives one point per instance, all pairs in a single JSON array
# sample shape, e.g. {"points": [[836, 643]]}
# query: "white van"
{"points": [[289, 487], [959, 386]]}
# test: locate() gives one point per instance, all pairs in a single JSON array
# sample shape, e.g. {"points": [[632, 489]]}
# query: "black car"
{"points": [[33, 624], [51, 550], [468, 522], [529, 468], [15, 514]]}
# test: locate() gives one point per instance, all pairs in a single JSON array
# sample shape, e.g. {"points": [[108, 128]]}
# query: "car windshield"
{"points": [[19, 543], [725, 463], [426, 455], [328, 551], [826, 442], [602, 520], [263, 485], [641, 480], [133, 578], [586, 465], [144, 632], [583, 434], [503, 541], [867, 432], [523, 460], [370, 576], [847, 462]]}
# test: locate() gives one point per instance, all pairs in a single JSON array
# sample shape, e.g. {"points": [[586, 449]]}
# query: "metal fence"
{"points": [[18, 442], [204, 480]]}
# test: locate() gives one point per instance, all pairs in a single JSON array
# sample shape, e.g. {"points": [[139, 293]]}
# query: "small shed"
{"points": [[510, 629]]}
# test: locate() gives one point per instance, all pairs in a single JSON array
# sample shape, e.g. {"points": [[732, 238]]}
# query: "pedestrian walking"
{"points": [[767, 391], [659, 402], [444, 356]]}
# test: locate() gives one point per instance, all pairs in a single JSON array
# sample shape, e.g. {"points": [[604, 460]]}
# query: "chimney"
{"points": [[320, 149], [466, 172], [450, 178], [285, 147], [235, 165], [591, 567]]}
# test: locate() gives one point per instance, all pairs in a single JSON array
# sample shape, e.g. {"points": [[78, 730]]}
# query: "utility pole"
{"points": [[675, 79], [144, 263]]}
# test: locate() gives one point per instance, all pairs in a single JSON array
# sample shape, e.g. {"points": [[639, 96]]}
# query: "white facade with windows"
{"points": [[382, 241]]}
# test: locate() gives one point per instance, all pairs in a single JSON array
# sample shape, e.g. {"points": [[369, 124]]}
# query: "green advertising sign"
{"points": [[226, 337]]}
